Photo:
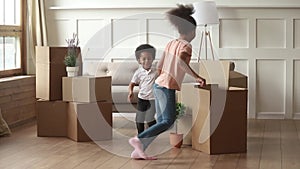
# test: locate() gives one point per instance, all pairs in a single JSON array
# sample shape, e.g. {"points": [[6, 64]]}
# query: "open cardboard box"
{"points": [[50, 69], [220, 125], [219, 112], [219, 72]]}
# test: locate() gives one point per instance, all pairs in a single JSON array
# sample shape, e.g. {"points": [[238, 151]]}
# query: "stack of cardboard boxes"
{"points": [[219, 110], [79, 108], [89, 108]]}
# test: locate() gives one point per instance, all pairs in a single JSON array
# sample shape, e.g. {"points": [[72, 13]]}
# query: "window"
{"points": [[11, 37]]}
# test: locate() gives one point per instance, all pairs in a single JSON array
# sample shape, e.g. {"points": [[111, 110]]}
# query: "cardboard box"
{"points": [[50, 69], [190, 98], [87, 89], [218, 72], [51, 118], [220, 124], [237, 79], [89, 121], [219, 110]]}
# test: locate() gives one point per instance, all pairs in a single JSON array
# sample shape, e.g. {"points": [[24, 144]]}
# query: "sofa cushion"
{"points": [[120, 93], [121, 72]]}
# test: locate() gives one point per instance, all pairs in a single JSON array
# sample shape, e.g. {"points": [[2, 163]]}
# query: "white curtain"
{"points": [[36, 31]]}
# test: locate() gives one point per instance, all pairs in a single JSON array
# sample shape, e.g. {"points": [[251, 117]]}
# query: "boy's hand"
{"points": [[201, 81], [130, 97]]}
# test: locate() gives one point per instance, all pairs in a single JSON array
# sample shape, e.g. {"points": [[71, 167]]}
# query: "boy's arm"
{"points": [[130, 91]]}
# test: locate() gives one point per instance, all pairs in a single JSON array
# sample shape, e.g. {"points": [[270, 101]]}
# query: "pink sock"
{"points": [[135, 155], [136, 144], [138, 152]]}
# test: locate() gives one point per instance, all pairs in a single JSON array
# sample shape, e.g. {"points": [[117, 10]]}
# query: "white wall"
{"points": [[262, 40], [105, 3]]}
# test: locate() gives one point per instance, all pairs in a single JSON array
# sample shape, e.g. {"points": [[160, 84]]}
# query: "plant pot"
{"points": [[72, 71], [176, 139]]}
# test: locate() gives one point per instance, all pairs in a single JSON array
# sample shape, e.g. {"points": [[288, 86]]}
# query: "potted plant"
{"points": [[71, 56], [176, 138]]}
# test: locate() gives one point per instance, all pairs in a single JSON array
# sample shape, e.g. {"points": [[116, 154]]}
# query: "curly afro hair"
{"points": [[181, 18]]}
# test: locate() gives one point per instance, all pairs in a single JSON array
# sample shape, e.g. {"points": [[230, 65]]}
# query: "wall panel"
{"points": [[297, 33], [297, 88], [146, 3], [87, 28], [263, 41], [95, 37], [234, 33], [271, 33], [66, 28], [160, 32], [125, 32], [270, 91]]}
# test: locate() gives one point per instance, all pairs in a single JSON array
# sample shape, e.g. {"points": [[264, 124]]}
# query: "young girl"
{"points": [[171, 70]]}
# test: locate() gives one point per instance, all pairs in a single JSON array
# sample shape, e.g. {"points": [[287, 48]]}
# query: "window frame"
{"points": [[17, 31]]}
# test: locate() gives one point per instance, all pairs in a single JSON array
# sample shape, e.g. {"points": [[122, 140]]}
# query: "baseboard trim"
{"points": [[296, 116], [270, 115], [22, 123]]}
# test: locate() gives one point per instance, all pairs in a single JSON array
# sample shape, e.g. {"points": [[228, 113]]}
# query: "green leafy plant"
{"points": [[72, 52], [70, 60], [180, 111]]}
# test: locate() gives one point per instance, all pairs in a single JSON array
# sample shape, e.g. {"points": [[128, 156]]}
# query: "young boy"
{"points": [[144, 77]]}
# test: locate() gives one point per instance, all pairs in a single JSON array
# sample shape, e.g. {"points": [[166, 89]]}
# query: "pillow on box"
{"points": [[4, 130]]}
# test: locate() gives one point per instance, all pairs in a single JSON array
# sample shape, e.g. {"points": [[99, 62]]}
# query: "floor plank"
{"points": [[164, 160], [271, 144], [227, 161], [290, 145], [95, 160], [251, 159], [204, 161], [271, 150], [185, 159]]}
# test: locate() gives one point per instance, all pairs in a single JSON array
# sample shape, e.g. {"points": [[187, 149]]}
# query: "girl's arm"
{"points": [[184, 63], [160, 64]]}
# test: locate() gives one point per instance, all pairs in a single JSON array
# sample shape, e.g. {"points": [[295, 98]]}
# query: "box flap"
{"points": [[53, 55], [234, 74], [207, 86], [221, 73], [215, 72], [237, 79]]}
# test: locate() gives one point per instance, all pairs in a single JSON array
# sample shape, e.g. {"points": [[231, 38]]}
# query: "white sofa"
{"points": [[121, 73]]}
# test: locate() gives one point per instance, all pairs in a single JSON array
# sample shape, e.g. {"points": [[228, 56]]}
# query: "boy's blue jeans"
{"points": [[166, 114]]}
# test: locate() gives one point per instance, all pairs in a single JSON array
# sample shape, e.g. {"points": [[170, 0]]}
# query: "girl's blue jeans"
{"points": [[165, 111]]}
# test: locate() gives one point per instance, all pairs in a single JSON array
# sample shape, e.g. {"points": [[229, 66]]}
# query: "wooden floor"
{"points": [[272, 144]]}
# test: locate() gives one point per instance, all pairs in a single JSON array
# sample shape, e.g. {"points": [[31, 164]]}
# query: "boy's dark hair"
{"points": [[181, 18], [144, 48]]}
